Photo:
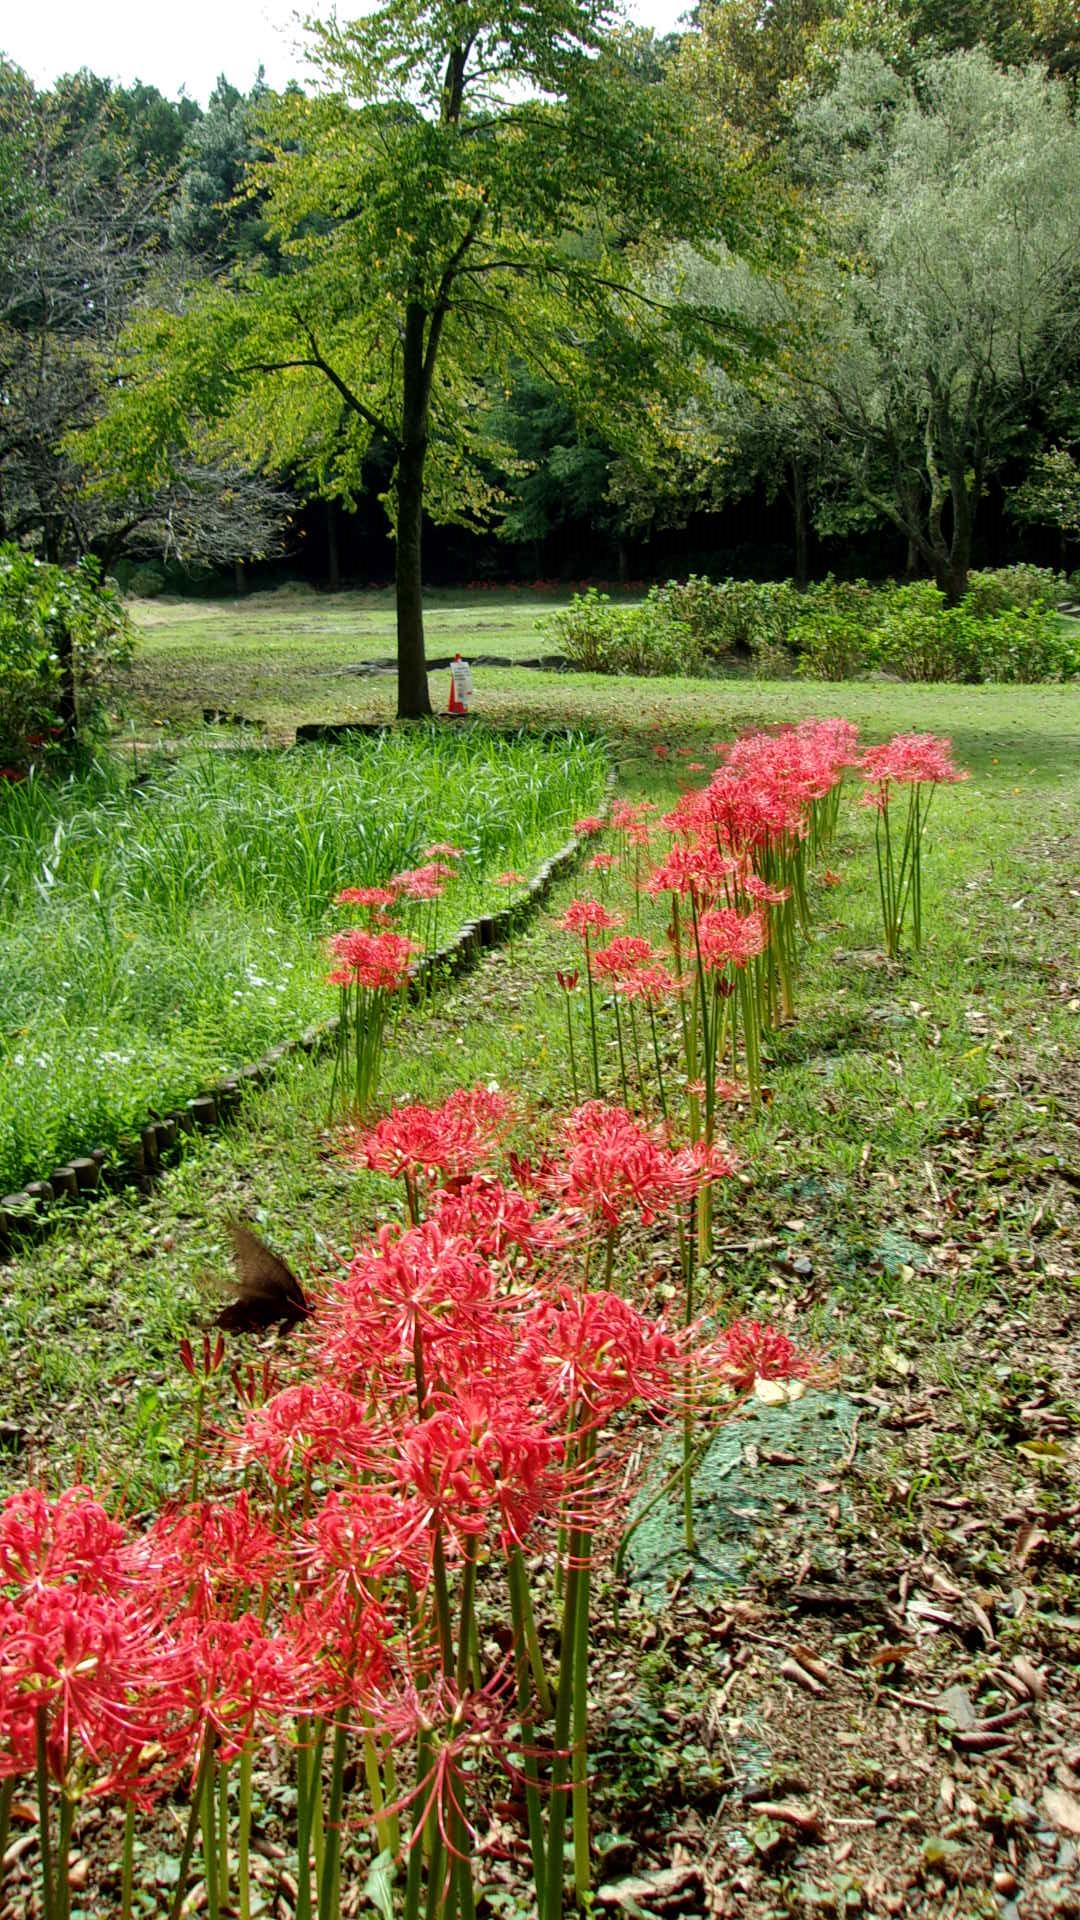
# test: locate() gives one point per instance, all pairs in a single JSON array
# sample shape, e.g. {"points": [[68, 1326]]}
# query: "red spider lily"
{"points": [[699, 868], [601, 862], [375, 962], [632, 820], [442, 850], [594, 1351], [240, 1681], [494, 1219], [908, 759], [614, 1163], [420, 1294], [624, 955], [48, 1543], [458, 1731], [361, 1536], [422, 883], [453, 1139], [379, 897], [587, 916], [310, 1425], [729, 939], [653, 985], [340, 1645], [914, 761], [739, 813], [588, 826], [748, 1350], [567, 979], [485, 1457], [208, 1555], [510, 878], [101, 1671], [760, 890]]}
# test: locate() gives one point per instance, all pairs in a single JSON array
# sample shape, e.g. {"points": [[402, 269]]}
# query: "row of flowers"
{"points": [[345, 1591], [381, 1578]]}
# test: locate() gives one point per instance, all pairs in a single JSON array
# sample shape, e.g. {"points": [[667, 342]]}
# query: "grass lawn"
{"points": [[277, 657], [907, 1202]]}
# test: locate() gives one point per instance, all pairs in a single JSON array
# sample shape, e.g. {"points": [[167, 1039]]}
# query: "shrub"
{"points": [[830, 645], [731, 616], [54, 623], [644, 639], [922, 638], [1027, 645], [994, 590]]}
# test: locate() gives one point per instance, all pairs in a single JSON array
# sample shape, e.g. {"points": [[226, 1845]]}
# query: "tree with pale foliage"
{"points": [[947, 301], [477, 184]]}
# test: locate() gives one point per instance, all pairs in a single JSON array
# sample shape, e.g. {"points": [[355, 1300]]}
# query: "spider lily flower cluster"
{"points": [[373, 966], [454, 1413], [732, 860], [921, 763]]}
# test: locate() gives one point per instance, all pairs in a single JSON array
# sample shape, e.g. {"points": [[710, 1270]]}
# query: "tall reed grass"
{"points": [[157, 931]]}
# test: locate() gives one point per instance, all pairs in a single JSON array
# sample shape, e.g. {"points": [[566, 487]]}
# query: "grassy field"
{"points": [[908, 1202], [157, 931], [277, 657]]}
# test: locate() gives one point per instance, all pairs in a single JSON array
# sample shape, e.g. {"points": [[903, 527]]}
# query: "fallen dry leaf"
{"points": [[1028, 1541], [1063, 1809]]}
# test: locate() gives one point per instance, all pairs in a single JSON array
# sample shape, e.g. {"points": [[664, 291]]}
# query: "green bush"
{"points": [[47, 615], [1027, 645], [731, 616], [923, 638], [830, 645], [834, 630], [646, 639], [993, 590]]}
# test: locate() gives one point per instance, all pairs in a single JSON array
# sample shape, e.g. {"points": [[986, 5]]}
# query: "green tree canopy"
{"points": [[948, 302], [480, 181]]}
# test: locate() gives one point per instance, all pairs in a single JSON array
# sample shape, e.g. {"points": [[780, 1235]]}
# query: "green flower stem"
{"points": [[206, 1763], [308, 1793], [570, 1042], [622, 1054], [592, 1019], [524, 1633], [330, 1876], [44, 1822], [637, 1053], [580, 1715], [209, 1845], [243, 1835], [127, 1863], [223, 1834], [414, 1871], [440, 1890], [556, 1838], [688, 1403], [659, 1064], [520, 1583], [467, 1628]]}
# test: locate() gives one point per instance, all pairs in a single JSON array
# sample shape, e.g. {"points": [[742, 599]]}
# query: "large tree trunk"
{"points": [[414, 698], [802, 525]]}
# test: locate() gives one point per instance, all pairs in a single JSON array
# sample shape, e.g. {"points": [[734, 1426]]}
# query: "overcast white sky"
{"points": [[183, 43]]}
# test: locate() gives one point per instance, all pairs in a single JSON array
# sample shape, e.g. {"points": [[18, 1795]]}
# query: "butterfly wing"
{"points": [[266, 1290]]}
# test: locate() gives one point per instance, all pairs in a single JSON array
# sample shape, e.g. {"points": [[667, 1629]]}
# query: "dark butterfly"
{"points": [[267, 1292]]}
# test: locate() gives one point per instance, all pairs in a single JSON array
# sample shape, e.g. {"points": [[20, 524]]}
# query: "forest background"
{"points": [[117, 199]]}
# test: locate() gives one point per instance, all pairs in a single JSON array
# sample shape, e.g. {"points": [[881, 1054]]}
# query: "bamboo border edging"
{"points": [[143, 1155]]}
